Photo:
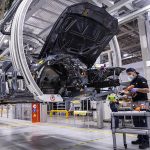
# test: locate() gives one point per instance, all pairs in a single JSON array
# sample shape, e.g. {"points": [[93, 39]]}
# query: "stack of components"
{"points": [[125, 104]]}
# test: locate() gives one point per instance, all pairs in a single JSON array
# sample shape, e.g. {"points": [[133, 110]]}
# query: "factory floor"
{"points": [[55, 135]]}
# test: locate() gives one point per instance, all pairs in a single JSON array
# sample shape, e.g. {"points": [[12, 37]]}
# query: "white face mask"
{"points": [[130, 77]]}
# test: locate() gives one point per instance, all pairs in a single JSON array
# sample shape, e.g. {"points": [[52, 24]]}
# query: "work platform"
{"points": [[23, 135]]}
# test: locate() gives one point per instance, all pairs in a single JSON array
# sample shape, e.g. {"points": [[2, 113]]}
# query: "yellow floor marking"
{"points": [[86, 129], [104, 131], [83, 143]]}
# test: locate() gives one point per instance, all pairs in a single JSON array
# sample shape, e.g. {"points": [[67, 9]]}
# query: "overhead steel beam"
{"points": [[134, 15], [131, 28], [34, 8], [119, 5], [97, 3], [31, 25], [126, 32], [45, 31], [49, 11], [56, 6], [130, 6], [43, 20], [109, 3], [70, 2], [62, 3], [130, 47]]}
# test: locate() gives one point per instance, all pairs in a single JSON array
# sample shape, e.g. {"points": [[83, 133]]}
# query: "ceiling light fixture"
{"points": [[125, 55], [5, 41], [31, 48]]}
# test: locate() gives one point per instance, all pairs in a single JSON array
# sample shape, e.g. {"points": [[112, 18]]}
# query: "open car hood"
{"points": [[83, 30]]}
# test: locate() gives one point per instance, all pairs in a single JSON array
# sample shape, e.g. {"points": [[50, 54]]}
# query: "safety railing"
{"points": [[59, 111]]}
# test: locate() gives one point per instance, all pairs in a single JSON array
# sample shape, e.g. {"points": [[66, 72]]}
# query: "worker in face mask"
{"points": [[138, 89]]}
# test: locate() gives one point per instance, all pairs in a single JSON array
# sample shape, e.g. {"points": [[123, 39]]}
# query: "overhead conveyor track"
{"points": [[18, 54], [17, 48]]}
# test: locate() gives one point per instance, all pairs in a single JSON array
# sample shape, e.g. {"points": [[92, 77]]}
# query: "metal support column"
{"points": [[113, 133], [43, 112], [100, 114], [143, 29], [114, 46], [110, 58], [147, 25]]}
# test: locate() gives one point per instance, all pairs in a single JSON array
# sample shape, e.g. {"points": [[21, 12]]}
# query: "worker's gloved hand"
{"points": [[134, 90], [124, 92]]}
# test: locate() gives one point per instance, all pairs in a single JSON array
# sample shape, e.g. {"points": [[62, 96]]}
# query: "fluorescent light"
{"points": [[31, 48], [125, 55], [5, 41], [148, 63]]}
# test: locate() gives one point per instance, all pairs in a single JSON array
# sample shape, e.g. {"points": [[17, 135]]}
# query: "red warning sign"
{"points": [[52, 98], [35, 112]]}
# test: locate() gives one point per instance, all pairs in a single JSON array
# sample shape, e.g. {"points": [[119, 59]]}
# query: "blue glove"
{"points": [[134, 90]]}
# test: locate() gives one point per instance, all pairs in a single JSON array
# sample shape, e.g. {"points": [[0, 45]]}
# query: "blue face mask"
{"points": [[130, 77]]}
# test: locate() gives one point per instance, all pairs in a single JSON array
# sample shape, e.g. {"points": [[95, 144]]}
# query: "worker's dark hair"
{"points": [[131, 70]]}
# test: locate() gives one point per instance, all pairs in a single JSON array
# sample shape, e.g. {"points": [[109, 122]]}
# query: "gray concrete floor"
{"points": [[55, 135]]}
